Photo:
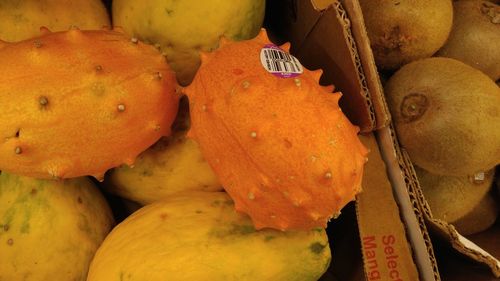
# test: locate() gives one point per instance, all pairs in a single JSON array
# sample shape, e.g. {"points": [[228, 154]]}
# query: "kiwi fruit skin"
{"points": [[446, 115], [401, 31], [466, 202], [482, 217], [475, 36]]}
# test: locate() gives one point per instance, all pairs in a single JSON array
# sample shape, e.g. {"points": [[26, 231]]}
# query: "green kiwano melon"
{"points": [[50, 230], [183, 28], [198, 236]]}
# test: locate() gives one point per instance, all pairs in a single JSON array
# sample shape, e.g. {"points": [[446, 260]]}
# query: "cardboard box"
{"points": [[392, 235], [482, 247]]}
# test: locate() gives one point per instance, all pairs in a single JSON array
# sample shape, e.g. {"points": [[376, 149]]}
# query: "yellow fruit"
{"points": [[465, 202], [403, 31], [198, 236], [21, 20], [50, 230], [173, 164], [183, 28]]}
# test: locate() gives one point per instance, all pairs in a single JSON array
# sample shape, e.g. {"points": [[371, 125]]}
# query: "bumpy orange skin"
{"points": [[78, 103], [281, 147]]}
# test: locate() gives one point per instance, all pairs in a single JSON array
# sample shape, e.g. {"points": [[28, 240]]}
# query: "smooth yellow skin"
{"points": [[198, 236], [172, 165], [50, 230], [183, 28], [22, 20]]}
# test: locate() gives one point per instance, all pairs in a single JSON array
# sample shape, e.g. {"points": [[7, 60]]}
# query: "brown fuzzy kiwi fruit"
{"points": [[446, 115], [482, 217], [475, 36], [401, 31], [464, 202]]}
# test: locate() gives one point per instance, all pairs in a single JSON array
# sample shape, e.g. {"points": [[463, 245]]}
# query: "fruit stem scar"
{"points": [[134, 40], [121, 107], [297, 82], [18, 150]]}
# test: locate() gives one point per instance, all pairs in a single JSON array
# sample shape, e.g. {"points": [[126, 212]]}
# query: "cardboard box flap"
{"points": [[386, 252], [364, 50], [322, 39], [374, 84], [448, 232], [407, 198]]}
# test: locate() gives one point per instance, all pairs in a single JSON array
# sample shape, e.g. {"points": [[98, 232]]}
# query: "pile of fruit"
{"points": [[442, 58], [231, 156]]}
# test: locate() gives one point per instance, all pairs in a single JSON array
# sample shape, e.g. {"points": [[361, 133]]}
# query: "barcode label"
{"points": [[279, 62]]}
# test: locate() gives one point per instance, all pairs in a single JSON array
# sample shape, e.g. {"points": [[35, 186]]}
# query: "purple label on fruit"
{"points": [[279, 63]]}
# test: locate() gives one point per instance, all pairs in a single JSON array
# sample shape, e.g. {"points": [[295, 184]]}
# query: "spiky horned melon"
{"points": [[281, 147], [81, 102]]}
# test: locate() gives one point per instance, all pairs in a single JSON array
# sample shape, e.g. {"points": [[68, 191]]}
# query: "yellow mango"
{"points": [[22, 20], [50, 230], [184, 28], [172, 165], [198, 236]]}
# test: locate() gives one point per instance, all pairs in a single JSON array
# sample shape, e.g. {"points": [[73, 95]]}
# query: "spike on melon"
{"points": [[44, 30], [286, 46]]}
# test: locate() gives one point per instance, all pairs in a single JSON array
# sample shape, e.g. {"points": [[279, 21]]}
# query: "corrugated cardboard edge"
{"points": [[382, 114], [400, 177], [344, 16], [356, 104], [387, 254], [445, 230]]}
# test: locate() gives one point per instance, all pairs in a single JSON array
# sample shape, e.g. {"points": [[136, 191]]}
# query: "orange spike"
{"points": [[329, 88], [45, 30], [129, 161], [204, 56], [238, 207], [286, 47], [316, 74], [56, 174], [262, 36], [335, 96], [99, 177], [74, 32], [223, 40]]}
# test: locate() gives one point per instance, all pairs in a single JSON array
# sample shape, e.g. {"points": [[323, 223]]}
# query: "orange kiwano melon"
{"points": [[277, 141], [78, 103]]}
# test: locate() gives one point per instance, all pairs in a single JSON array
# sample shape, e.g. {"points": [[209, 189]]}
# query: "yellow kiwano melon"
{"points": [[50, 230], [198, 236], [22, 19], [183, 28], [172, 165]]}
